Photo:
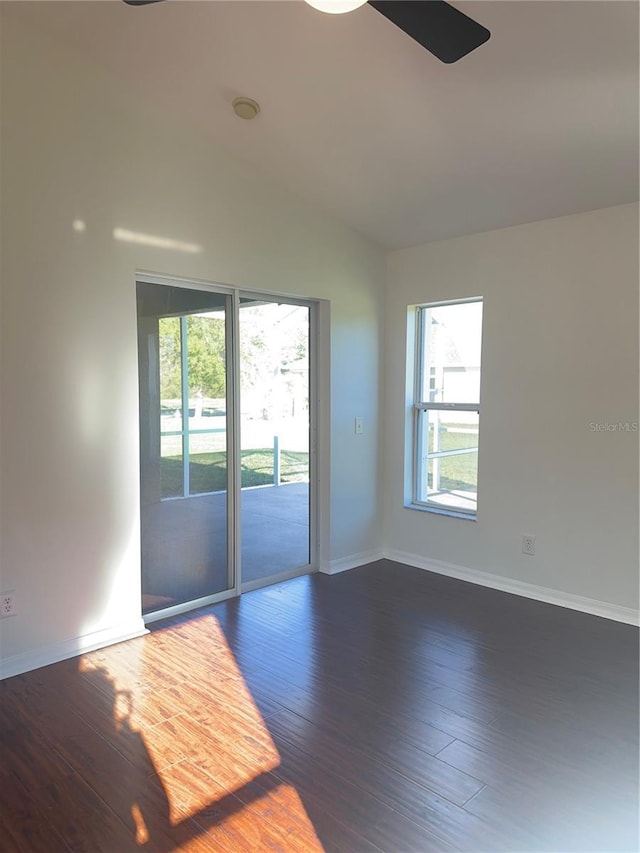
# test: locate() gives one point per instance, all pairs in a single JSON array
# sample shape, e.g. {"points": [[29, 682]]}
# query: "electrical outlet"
{"points": [[529, 545], [7, 604], [357, 426]]}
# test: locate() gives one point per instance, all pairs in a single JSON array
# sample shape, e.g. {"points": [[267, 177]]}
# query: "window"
{"points": [[446, 406]]}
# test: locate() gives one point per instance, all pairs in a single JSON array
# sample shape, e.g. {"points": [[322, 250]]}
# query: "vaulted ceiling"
{"points": [[360, 120]]}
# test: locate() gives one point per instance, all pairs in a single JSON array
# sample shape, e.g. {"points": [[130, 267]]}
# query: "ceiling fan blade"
{"points": [[445, 32], [140, 2]]}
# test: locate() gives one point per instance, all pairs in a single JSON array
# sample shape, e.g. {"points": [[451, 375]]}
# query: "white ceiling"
{"points": [[364, 123]]}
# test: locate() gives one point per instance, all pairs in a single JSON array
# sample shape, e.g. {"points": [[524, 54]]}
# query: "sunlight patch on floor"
{"points": [[202, 742]]}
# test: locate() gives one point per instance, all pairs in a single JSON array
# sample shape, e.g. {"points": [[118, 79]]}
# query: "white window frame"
{"points": [[418, 458]]}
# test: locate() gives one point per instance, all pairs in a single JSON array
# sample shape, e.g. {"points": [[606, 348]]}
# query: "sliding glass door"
{"points": [[225, 425], [183, 338], [274, 436]]}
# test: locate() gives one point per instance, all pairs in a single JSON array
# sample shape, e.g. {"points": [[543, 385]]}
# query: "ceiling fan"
{"points": [[443, 30]]}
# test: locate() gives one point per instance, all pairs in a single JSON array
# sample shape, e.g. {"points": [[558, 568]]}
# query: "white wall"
{"points": [[77, 145], [560, 352]]}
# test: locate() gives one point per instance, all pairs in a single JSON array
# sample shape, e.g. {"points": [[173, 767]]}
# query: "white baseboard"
{"points": [[44, 656], [527, 590], [351, 562], [35, 658]]}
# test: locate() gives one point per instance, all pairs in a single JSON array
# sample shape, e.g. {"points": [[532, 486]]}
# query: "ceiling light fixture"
{"points": [[336, 7], [245, 107]]}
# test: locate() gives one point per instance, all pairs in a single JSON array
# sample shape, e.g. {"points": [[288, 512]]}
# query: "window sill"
{"points": [[436, 510]]}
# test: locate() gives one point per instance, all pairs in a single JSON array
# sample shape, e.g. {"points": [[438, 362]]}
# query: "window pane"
{"points": [[450, 431], [207, 463], [170, 376], [448, 463], [171, 473], [452, 482], [452, 347], [206, 357], [206, 370]]}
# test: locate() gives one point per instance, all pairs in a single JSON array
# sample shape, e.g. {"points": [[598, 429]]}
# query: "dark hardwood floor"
{"points": [[381, 709]]}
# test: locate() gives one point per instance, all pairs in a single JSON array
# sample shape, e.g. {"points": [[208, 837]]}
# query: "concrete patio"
{"points": [[184, 542]]}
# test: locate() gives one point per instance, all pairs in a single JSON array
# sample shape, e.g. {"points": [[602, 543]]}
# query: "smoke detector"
{"points": [[245, 107]]}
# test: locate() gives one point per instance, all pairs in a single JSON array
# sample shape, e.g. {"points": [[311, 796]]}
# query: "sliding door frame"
{"points": [[234, 471]]}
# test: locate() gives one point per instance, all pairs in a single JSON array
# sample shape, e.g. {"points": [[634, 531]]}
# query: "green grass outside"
{"points": [[208, 471], [457, 473]]}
